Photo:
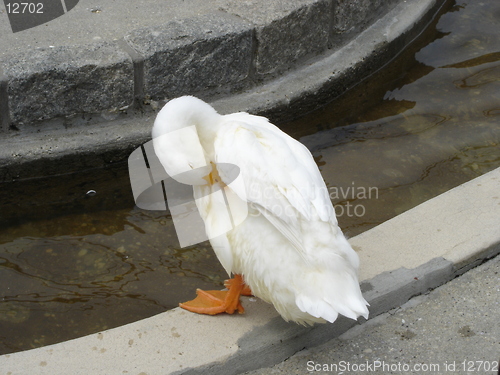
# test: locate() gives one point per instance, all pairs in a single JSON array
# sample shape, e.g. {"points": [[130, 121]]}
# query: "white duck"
{"points": [[289, 249]]}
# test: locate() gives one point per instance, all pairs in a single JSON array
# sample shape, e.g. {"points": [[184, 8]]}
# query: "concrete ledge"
{"points": [[286, 36], [64, 145], [193, 55], [406, 256], [214, 53], [64, 81], [466, 217], [320, 81]]}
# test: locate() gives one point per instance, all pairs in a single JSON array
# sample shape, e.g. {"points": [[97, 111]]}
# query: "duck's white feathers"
{"points": [[312, 268], [289, 248]]}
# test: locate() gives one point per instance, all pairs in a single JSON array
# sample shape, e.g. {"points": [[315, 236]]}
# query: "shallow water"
{"points": [[425, 124]]}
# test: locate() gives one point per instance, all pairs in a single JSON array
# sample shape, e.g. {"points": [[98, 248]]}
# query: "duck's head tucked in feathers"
{"points": [[180, 133]]}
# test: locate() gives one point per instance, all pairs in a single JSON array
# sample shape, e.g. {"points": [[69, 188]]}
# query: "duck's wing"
{"points": [[280, 177], [281, 181]]}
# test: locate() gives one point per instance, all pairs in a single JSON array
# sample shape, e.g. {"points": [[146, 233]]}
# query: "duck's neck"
{"points": [[207, 126]]}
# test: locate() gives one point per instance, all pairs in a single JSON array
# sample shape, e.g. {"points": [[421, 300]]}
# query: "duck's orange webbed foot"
{"points": [[245, 291], [214, 302]]}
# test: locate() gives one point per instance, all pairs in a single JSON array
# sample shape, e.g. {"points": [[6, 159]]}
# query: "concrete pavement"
{"points": [[451, 330]]}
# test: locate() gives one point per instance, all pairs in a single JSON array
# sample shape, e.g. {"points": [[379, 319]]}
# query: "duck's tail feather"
{"points": [[332, 295]]}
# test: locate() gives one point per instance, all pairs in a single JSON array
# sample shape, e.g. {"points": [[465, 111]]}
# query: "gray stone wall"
{"points": [[238, 46]]}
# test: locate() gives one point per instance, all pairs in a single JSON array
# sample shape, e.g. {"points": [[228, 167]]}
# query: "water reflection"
{"points": [[82, 273], [435, 128], [425, 124]]}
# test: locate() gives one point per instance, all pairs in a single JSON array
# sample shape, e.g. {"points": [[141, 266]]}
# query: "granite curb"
{"points": [[232, 48], [115, 132]]}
